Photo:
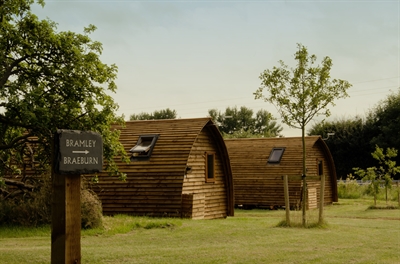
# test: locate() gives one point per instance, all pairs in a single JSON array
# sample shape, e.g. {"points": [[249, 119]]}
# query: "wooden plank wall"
{"points": [[156, 186], [214, 193], [260, 184], [153, 187]]}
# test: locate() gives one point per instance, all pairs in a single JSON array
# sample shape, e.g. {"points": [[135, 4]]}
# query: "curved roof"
{"points": [[249, 153], [170, 154]]}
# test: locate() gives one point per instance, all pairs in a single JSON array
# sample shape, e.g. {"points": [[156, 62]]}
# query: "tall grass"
{"points": [[351, 189]]}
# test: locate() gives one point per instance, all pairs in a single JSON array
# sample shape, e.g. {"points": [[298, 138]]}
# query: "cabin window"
{"points": [[320, 167], [210, 167], [144, 147], [276, 155]]}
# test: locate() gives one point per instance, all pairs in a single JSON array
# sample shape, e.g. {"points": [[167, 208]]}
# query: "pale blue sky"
{"points": [[192, 56]]}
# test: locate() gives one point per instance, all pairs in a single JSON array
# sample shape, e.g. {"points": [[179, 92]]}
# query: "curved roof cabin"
{"points": [[178, 168], [258, 165]]}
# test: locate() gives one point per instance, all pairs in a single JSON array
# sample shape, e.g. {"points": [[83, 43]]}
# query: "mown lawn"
{"points": [[354, 234]]}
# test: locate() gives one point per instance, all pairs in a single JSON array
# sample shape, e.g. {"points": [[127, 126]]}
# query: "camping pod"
{"points": [[177, 168], [259, 164]]}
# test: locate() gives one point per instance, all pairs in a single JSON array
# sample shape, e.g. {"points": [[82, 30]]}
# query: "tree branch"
{"points": [[18, 184], [15, 141]]}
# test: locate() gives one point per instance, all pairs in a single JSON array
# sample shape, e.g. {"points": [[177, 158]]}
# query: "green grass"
{"points": [[352, 234]]}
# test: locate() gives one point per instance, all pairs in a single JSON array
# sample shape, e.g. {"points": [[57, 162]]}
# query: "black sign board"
{"points": [[78, 152]]}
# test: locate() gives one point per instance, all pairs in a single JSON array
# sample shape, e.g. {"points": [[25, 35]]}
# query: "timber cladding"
{"points": [[172, 180], [259, 183]]}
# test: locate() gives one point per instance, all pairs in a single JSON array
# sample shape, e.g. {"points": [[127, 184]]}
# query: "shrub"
{"points": [[30, 209], [350, 189], [91, 210], [33, 208]]}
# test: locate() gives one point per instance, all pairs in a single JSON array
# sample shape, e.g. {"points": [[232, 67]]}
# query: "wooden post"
{"points": [[66, 219], [304, 202], [287, 204], [321, 200], [74, 153], [398, 193]]}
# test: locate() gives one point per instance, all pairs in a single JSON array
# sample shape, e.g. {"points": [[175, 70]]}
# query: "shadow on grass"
{"points": [[320, 225], [385, 207]]}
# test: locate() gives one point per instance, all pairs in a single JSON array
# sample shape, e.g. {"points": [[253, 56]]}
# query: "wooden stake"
{"points": [[287, 204], [321, 200]]}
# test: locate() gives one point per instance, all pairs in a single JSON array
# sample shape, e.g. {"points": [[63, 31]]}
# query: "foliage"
{"points": [[358, 135], [383, 123], [350, 188], [34, 209], [31, 208], [350, 136], [382, 174], [241, 123], [50, 80], [91, 210], [161, 114], [301, 93]]}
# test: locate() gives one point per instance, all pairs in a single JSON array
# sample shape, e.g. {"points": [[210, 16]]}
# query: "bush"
{"points": [[350, 189], [91, 210], [33, 208]]}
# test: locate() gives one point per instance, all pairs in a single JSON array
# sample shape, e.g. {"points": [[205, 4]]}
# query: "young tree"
{"points": [[162, 114], [240, 123], [50, 80], [301, 93], [384, 173]]}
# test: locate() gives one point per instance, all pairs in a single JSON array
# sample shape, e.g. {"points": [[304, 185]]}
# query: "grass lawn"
{"points": [[354, 234]]}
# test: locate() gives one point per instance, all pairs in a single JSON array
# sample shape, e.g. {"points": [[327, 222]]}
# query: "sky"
{"points": [[192, 56]]}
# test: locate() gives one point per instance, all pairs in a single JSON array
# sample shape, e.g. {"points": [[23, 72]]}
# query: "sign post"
{"points": [[74, 153]]}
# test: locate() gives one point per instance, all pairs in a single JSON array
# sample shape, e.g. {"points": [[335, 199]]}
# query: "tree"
{"points": [[383, 123], [301, 93], [239, 123], [350, 137], [384, 173], [361, 135], [50, 80], [161, 114]]}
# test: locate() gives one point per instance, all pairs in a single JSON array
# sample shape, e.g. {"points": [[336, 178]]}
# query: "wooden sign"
{"points": [[78, 152], [75, 153]]}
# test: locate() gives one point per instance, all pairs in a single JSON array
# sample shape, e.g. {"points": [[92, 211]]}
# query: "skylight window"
{"points": [[276, 155], [144, 147]]}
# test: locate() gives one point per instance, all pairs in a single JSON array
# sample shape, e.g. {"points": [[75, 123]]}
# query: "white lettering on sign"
{"points": [[81, 160], [86, 143]]}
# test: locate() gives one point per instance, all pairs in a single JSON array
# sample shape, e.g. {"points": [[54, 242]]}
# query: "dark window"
{"points": [[210, 167], [144, 147], [276, 155], [320, 167]]}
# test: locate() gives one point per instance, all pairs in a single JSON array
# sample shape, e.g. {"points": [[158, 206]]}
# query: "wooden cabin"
{"points": [[258, 166], [178, 168]]}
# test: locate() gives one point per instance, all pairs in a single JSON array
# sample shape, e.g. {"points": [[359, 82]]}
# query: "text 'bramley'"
{"points": [[80, 143]]}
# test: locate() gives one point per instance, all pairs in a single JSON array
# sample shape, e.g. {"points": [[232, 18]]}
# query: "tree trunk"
{"points": [[304, 194]]}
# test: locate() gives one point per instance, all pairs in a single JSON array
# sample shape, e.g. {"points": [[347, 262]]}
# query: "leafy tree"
{"points": [[240, 123], [301, 93], [50, 80], [383, 123], [162, 114], [380, 127], [384, 173], [350, 146]]}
